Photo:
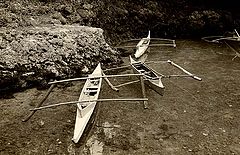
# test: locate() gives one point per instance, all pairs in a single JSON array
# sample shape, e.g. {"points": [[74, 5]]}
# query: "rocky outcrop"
{"points": [[34, 55]]}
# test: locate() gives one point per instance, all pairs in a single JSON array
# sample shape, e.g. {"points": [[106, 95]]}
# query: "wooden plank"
{"points": [[143, 92], [93, 77], [109, 83], [97, 100], [185, 71], [40, 103]]}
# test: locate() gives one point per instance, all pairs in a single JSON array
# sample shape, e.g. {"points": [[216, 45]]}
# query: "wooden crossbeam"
{"points": [[93, 77], [152, 45], [79, 102]]}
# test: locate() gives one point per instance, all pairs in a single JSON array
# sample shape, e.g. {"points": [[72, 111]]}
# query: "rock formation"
{"points": [[34, 55]]}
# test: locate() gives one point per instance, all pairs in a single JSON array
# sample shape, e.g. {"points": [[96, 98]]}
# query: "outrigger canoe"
{"points": [[142, 46], [90, 92], [232, 41], [151, 78]]}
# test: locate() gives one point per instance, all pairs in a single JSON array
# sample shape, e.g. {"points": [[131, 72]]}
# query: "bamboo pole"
{"points": [[127, 83], [79, 102], [93, 77], [152, 45], [40, 103], [237, 33], [185, 71], [109, 83], [143, 92], [169, 76]]}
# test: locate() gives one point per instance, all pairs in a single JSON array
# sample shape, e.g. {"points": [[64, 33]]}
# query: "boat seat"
{"points": [[94, 81], [90, 91], [154, 78]]}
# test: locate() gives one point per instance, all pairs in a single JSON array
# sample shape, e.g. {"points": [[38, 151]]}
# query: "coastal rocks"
{"points": [[32, 56]]}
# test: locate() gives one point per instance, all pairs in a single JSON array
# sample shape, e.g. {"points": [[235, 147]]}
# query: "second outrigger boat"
{"points": [[232, 41], [143, 45], [151, 78]]}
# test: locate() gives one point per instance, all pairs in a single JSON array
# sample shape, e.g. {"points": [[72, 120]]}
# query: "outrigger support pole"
{"points": [[82, 102], [185, 71], [109, 83], [40, 103], [145, 103]]}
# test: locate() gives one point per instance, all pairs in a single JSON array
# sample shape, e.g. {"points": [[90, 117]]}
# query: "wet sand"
{"points": [[193, 117]]}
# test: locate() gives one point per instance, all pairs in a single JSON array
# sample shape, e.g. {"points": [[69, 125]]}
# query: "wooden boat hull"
{"points": [[90, 91], [155, 85], [142, 46], [140, 51], [151, 78]]}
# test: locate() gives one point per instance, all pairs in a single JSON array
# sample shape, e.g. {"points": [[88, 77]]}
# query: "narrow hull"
{"points": [[90, 91], [151, 79], [155, 85], [140, 51], [142, 46], [81, 123]]}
